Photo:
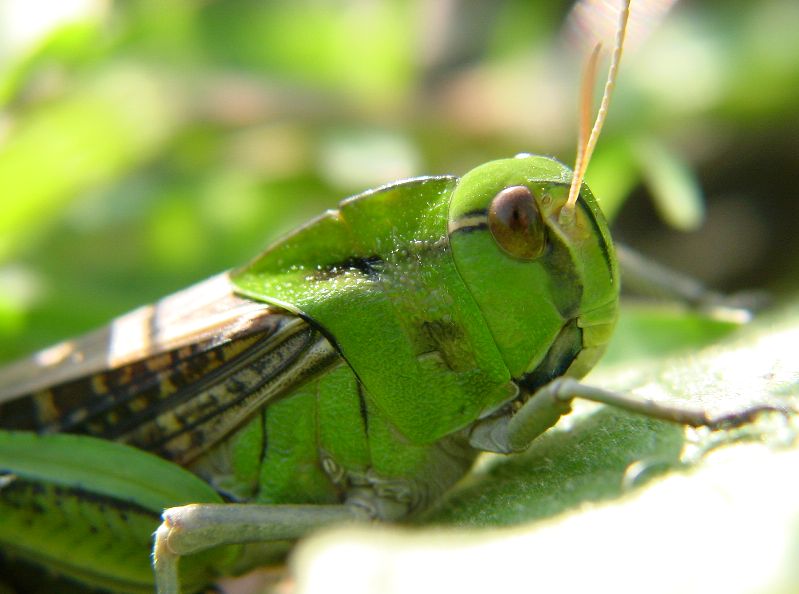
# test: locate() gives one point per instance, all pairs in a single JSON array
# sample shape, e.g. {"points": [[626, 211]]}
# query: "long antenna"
{"points": [[586, 147]]}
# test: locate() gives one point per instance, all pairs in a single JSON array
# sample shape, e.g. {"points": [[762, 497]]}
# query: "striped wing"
{"points": [[173, 378]]}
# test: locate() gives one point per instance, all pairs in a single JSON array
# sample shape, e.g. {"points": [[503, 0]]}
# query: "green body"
{"points": [[416, 328]]}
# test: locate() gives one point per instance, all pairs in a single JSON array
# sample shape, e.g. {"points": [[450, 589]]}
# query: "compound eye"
{"points": [[516, 223]]}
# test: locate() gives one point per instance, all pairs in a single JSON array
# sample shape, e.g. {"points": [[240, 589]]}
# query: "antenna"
{"points": [[586, 142]]}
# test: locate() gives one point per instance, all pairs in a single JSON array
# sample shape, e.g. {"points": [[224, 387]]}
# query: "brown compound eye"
{"points": [[516, 223]]}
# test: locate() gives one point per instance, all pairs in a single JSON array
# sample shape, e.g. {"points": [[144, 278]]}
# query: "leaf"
{"points": [[675, 188]]}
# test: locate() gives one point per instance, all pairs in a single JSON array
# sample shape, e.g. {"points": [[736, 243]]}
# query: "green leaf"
{"points": [[675, 188], [649, 330]]}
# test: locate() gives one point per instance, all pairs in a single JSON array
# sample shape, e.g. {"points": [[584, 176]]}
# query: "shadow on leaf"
{"points": [[563, 470]]}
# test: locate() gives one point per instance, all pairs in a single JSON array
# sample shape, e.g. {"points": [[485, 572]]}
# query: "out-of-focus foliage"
{"points": [[145, 145]]}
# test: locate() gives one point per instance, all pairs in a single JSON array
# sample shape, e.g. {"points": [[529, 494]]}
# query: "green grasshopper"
{"points": [[353, 371]]}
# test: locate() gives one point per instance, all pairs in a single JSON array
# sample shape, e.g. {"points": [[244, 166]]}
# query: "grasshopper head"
{"points": [[546, 286], [534, 249]]}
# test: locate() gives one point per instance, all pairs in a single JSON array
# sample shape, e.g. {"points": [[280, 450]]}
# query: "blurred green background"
{"points": [[145, 145]]}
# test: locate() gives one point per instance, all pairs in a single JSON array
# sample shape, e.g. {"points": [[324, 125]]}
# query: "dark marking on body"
{"points": [[368, 266], [447, 339], [472, 228], [442, 332], [362, 408], [565, 348], [479, 212], [603, 245], [478, 218]]}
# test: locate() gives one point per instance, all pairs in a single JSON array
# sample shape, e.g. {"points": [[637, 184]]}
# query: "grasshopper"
{"points": [[353, 371]]}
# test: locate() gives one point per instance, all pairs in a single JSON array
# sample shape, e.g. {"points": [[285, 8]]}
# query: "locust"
{"points": [[351, 372]]}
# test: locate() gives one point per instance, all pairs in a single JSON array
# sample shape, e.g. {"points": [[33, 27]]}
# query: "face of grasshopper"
{"points": [[547, 289]]}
